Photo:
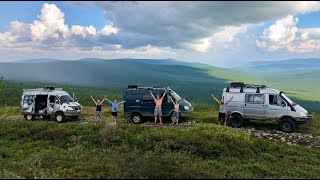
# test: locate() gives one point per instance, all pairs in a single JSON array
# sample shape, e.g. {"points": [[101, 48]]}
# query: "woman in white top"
{"points": [[222, 110]]}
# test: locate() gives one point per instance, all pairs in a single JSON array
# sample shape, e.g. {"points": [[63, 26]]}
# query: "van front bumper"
{"points": [[305, 119], [72, 113], [186, 113]]}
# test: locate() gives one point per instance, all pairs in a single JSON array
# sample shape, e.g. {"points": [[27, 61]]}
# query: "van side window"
{"points": [[147, 98], [276, 100], [28, 99], [255, 98]]}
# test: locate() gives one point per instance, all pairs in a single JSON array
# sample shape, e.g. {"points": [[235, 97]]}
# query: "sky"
{"points": [[219, 33]]}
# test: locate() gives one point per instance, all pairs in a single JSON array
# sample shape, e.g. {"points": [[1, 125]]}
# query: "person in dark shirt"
{"points": [[98, 107]]}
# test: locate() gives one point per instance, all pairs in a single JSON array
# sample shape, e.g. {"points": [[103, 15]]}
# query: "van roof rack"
{"points": [[146, 87], [49, 88], [241, 84]]}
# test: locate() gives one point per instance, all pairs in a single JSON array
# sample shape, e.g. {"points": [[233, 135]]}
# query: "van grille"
{"points": [[77, 108]]}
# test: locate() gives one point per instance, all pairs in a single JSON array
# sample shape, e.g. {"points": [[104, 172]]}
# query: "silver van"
{"points": [[258, 102], [49, 102]]}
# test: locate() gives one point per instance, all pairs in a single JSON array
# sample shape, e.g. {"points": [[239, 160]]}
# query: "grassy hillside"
{"points": [[52, 150]]}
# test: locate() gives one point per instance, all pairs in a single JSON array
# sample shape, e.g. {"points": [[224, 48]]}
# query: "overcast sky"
{"points": [[217, 33]]}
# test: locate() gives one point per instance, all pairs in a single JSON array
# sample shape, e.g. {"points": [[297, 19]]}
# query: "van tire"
{"points": [[136, 118], [29, 117], [236, 121], [287, 125], [60, 117]]}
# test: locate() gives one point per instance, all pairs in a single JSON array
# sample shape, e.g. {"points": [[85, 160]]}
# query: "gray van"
{"points": [[139, 102], [258, 102], [49, 102]]}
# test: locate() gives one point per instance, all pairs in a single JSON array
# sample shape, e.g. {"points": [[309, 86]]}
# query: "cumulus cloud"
{"points": [[163, 27], [176, 24], [49, 31], [285, 35]]}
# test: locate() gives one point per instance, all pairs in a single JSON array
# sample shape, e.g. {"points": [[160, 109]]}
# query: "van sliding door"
{"points": [[255, 106]]}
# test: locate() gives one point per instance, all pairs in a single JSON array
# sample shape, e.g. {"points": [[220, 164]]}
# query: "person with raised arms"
{"points": [[157, 109], [222, 110]]}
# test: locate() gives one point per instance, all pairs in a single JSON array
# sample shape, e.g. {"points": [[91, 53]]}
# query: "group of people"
{"points": [[114, 110], [158, 110]]}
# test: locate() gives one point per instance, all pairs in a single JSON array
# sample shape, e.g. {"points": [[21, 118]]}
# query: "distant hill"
{"points": [[36, 61], [117, 74], [311, 63]]}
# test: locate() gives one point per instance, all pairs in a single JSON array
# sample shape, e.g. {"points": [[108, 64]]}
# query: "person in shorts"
{"points": [[176, 112], [114, 108], [98, 107], [222, 110], [157, 109]]}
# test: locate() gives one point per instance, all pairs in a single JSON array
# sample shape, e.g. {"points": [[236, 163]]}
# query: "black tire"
{"points": [[59, 117], [29, 117], [136, 118], [236, 121], [287, 125]]}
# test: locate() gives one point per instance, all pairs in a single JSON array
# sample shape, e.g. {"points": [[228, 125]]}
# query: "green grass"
{"points": [[52, 150]]}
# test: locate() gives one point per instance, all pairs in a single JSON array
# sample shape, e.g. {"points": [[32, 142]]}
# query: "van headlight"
{"points": [[186, 107]]}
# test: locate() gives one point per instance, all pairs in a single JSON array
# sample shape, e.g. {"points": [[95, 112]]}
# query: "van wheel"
{"points": [[236, 121], [136, 118], [287, 125], [29, 117], [59, 117]]}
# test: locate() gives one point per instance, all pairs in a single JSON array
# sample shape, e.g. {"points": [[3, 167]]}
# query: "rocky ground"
{"points": [[308, 140]]}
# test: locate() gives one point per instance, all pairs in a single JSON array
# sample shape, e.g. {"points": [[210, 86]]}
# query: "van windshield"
{"points": [[289, 100], [175, 96], [66, 99]]}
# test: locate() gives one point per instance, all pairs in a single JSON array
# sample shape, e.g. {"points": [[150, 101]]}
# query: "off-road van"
{"points": [[48, 102], [139, 102], [258, 102]]}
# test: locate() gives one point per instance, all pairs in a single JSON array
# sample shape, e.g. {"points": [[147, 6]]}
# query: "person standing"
{"points": [[222, 110], [98, 107], [176, 112], [114, 109], [157, 109]]}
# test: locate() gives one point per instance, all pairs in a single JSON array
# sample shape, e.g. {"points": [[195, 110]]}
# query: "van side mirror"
{"points": [[283, 104], [77, 99]]}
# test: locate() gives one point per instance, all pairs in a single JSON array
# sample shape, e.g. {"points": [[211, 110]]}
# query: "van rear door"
{"points": [[148, 103], [133, 102], [255, 106]]}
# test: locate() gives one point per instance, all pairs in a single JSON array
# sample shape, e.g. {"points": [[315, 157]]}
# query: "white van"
{"points": [[49, 102], [258, 102]]}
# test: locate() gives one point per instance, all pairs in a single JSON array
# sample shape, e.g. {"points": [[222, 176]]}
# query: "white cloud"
{"points": [[109, 29], [50, 31], [228, 33], [285, 35], [50, 24], [201, 46]]}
